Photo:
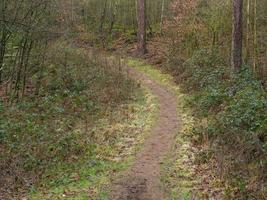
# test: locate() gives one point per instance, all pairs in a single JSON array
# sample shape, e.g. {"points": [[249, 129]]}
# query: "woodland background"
{"points": [[50, 84]]}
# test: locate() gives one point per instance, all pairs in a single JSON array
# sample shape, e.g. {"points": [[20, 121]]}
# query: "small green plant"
{"points": [[68, 137], [231, 116]]}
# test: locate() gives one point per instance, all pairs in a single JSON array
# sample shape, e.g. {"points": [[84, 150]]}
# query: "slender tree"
{"points": [[255, 36], [237, 34], [103, 16], [248, 32], [162, 16], [141, 10]]}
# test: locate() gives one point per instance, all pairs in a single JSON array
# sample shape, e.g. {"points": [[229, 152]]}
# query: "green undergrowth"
{"points": [[230, 121], [74, 134], [118, 134], [90, 176]]}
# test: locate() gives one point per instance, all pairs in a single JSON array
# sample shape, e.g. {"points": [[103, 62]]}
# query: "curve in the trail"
{"points": [[142, 181]]}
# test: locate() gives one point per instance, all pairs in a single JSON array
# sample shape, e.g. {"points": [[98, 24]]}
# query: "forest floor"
{"points": [[165, 168], [159, 161], [142, 180]]}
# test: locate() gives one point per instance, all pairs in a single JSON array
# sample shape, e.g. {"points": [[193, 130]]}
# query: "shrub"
{"points": [[231, 111]]}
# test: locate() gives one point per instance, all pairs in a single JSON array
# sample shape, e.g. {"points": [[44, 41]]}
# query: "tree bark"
{"points": [[142, 27], [2, 56], [237, 35], [248, 32], [102, 19], [162, 16], [3, 37], [255, 37], [113, 16]]}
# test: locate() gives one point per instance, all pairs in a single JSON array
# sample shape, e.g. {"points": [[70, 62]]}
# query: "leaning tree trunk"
{"points": [[2, 55], [141, 26], [237, 34]]}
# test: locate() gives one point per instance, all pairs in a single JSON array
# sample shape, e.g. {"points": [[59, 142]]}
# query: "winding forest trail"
{"points": [[142, 181]]}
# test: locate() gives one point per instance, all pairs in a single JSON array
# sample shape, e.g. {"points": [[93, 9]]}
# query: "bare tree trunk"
{"points": [[113, 17], [237, 34], [103, 15], [142, 27], [255, 37], [2, 56], [3, 38], [248, 32], [214, 38], [27, 55], [21, 62], [162, 16]]}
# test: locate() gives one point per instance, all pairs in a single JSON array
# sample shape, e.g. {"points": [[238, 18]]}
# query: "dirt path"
{"points": [[142, 181]]}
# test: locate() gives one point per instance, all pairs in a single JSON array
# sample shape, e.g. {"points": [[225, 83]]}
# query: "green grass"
{"points": [[90, 176], [155, 74], [87, 184], [80, 133]]}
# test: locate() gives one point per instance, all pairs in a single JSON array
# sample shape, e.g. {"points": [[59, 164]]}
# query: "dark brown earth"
{"points": [[142, 181]]}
